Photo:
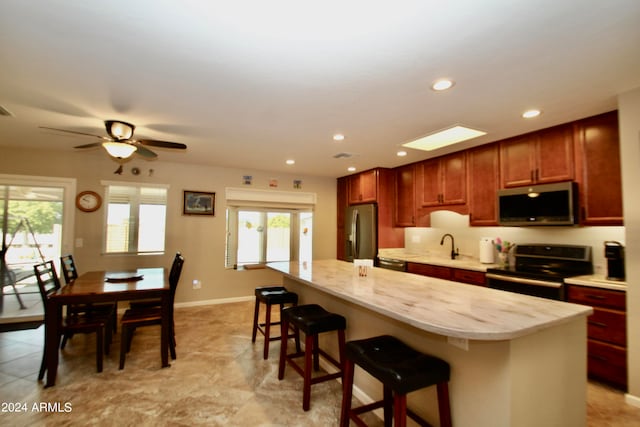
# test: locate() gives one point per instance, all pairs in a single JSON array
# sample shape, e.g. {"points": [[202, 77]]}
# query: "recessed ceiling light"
{"points": [[445, 137], [338, 137], [401, 153], [291, 162], [529, 114], [442, 84], [351, 168]]}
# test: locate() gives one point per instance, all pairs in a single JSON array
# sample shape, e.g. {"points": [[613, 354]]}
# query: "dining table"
{"points": [[107, 286]]}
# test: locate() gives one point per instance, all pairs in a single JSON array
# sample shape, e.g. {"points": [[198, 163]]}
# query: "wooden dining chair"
{"points": [[70, 274], [48, 284], [148, 316], [156, 302]]}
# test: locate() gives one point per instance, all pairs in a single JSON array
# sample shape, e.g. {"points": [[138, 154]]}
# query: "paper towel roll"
{"points": [[486, 250]]}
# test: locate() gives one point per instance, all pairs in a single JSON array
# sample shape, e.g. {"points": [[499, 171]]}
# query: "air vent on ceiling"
{"points": [[5, 112], [342, 155]]}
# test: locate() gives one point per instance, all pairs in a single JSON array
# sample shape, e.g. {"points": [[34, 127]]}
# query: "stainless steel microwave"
{"points": [[546, 204]]}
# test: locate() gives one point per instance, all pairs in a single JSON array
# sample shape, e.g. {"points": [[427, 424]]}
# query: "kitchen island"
{"points": [[515, 360]]}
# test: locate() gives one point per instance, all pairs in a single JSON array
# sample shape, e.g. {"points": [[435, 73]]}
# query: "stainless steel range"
{"points": [[540, 269]]}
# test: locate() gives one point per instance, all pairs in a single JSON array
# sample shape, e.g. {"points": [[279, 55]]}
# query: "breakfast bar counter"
{"points": [[515, 359]]}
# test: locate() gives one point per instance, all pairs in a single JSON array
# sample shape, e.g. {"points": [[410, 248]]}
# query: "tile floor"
{"points": [[219, 379]]}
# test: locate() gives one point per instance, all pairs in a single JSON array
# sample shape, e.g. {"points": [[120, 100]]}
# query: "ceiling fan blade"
{"points": [[93, 144], [145, 152], [163, 144], [75, 132]]}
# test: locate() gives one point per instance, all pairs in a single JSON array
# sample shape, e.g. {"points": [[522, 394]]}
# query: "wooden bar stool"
{"points": [[270, 295], [401, 370], [312, 320]]}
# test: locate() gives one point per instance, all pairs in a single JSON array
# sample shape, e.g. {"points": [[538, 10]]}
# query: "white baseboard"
{"points": [[632, 400], [214, 301], [205, 302]]}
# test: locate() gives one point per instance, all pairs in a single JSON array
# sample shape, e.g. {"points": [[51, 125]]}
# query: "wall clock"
{"points": [[88, 201]]}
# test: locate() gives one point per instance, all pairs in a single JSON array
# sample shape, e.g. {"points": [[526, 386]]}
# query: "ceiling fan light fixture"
{"points": [[119, 130], [119, 150]]}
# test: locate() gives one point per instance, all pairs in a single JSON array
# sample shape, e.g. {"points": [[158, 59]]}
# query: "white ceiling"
{"points": [[250, 84]]}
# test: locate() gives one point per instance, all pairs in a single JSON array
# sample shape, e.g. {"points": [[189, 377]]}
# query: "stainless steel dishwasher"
{"points": [[392, 264]]}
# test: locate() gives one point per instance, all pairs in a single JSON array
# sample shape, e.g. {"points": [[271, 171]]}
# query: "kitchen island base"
{"points": [[533, 380]]}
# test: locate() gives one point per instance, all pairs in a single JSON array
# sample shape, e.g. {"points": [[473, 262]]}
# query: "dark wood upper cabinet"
{"points": [[405, 213], [372, 186], [363, 187], [442, 181], [598, 170], [341, 205], [586, 151], [484, 181], [540, 157]]}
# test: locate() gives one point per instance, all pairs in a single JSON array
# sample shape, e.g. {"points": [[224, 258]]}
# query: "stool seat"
{"points": [[275, 295], [401, 370], [312, 319], [396, 364], [270, 296]]}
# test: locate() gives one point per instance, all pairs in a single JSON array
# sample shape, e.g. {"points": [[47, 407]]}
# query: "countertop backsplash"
{"points": [[467, 238]]}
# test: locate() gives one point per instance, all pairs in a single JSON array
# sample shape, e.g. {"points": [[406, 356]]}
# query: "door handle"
{"points": [[354, 235]]}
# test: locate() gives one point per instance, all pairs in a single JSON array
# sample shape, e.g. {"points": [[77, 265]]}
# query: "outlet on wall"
{"points": [[197, 284]]}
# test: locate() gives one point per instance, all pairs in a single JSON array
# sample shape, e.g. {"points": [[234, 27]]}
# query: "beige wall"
{"points": [[629, 110], [200, 239]]}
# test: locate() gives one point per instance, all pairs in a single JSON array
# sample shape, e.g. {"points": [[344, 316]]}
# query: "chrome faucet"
{"points": [[454, 252]]}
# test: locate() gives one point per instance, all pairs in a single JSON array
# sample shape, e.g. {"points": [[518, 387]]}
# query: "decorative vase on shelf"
{"points": [[503, 258]]}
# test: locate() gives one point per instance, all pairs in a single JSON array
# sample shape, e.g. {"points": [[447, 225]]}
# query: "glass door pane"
{"points": [[31, 223], [278, 236]]}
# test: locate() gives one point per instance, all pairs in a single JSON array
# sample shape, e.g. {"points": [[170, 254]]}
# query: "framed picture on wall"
{"points": [[199, 203]]}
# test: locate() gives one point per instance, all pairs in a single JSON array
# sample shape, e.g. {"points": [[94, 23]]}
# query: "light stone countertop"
{"points": [[463, 262], [438, 306], [597, 281], [468, 263]]}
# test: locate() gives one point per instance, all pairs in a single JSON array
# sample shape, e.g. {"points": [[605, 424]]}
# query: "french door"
{"points": [[36, 216]]}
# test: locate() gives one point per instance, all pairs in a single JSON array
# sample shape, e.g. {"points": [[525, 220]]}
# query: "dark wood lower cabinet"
{"points": [[470, 277], [436, 271], [606, 333], [607, 363]]}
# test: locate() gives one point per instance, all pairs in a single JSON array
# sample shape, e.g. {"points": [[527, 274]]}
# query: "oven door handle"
{"points": [[524, 281]]}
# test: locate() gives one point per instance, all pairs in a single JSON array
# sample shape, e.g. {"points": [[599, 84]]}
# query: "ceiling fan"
{"points": [[120, 143]]}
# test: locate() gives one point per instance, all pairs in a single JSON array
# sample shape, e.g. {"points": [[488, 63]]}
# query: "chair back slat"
{"points": [[48, 281], [174, 274], [69, 271]]}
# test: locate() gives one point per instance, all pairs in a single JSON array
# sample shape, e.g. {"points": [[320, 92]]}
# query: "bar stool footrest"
{"points": [[355, 412], [318, 379]]}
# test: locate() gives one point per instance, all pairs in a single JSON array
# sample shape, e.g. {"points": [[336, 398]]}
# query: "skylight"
{"points": [[443, 138]]}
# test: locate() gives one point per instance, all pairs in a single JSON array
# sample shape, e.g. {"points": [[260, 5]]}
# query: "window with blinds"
{"points": [[268, 226], [136, 219], [262, 235]]}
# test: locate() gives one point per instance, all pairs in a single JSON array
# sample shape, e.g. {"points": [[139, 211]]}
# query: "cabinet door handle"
{"points": [[598, 357], [531, 176], [598, 297], [537, 174], [598, 324]]}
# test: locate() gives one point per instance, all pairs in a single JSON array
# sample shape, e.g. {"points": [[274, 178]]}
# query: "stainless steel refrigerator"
{"points": [[361, 232]]}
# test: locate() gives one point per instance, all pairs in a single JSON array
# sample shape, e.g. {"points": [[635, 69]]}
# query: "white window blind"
{"points": [[136, 218]]}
